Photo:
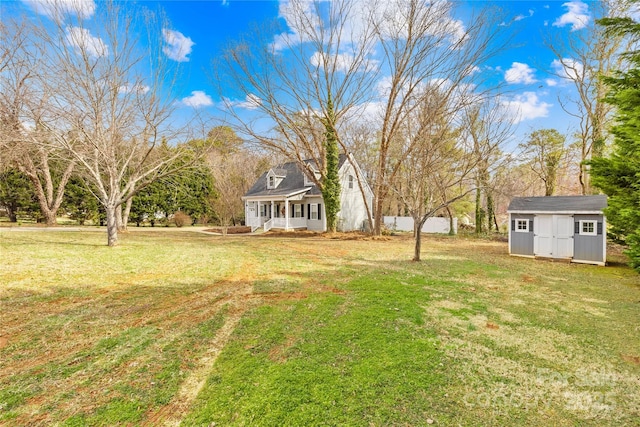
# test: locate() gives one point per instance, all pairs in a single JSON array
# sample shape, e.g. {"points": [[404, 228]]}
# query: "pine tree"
{"points": [[619, 174]]}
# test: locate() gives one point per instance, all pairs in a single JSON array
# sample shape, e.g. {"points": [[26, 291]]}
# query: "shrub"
{"points": [[180, 219]]}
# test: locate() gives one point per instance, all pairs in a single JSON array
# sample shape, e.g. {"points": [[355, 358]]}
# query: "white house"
{"points": [[285, 198]]}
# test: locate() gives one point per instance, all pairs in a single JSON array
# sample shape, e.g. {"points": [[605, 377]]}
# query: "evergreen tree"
{"points": [[79, 203], [331, 187], [619, 174], [16, 195]]}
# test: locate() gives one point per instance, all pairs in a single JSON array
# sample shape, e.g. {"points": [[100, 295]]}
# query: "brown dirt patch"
{"points": [[635, 360], [230, 230], [492, 326], [3, 341], [278, 353], [279, 296]]}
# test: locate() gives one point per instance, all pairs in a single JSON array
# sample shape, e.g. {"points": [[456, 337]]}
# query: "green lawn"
{"points": [[176, 327]]}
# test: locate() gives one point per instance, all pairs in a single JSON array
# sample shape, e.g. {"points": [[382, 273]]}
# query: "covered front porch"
{"points": [[286, 214]]}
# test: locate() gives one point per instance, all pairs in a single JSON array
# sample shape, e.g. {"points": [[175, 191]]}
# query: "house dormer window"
{"points": [[308, 181], [272, 182], [350, 182]]}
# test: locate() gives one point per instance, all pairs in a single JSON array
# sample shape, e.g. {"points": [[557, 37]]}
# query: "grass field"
{"points": [[180, 328]]}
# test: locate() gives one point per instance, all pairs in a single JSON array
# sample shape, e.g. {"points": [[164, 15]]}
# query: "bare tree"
{"points": [[289, 81], [110, 107], [489, 126], [583, 57], [440, 153], [423, 44], [23, 101], [372, 57], [234, 170], [545, 152]]}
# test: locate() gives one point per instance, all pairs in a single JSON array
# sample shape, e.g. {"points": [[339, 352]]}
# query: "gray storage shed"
{"points": [[560, 227]]}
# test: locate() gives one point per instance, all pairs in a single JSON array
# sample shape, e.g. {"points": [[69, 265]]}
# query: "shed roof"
{"points": [[558, 204]]}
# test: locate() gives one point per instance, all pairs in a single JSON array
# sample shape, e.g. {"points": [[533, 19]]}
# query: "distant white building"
{"points": [[285, 198]]}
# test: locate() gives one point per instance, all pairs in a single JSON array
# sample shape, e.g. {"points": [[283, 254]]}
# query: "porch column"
{"points": [[286, 214], [272, 206]]}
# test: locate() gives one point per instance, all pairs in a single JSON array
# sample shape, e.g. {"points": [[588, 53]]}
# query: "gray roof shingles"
{"points": [[558, 204], [292, 183]]}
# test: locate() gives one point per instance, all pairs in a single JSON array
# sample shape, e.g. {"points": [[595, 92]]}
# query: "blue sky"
{"points": [[200, 29]]}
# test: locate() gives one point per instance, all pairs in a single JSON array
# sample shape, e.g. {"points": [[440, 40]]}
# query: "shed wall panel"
{"points": [[589, 248], [521, 243]]}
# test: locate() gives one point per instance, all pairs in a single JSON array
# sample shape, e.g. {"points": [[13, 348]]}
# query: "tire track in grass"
{"points": [[173, 413]]}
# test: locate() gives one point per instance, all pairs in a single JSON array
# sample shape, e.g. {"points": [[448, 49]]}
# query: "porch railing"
{"points": [[268, 225]]}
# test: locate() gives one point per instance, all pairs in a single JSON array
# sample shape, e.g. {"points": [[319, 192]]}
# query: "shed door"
{"points": [[553, 236], [563, 247], [543, 235]]}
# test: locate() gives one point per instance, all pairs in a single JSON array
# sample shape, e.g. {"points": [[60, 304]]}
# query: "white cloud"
{"points": [[521, 16], [139, 88], [551, 82], [526, 106], [251, 102], [519, 73], [577, 15], [197, 99], [390, 14], [342, 62], [568, 68], [178, 46], [81, 39], [56, 9], [288, 10]]}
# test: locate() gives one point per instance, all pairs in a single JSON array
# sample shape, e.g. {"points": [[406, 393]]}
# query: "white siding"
{"points": [[353, 213], [433, 224]]}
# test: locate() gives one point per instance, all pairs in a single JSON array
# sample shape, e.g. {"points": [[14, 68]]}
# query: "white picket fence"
{"points": [[433, 225]]}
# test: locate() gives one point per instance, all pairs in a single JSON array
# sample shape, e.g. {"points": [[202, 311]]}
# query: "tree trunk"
{"points": [[125, 214], [479, 216], [452, 230], [118, 212], [50, 217], [12, 213], [490, 210], [418, 237], [112, 224], [417, 247]]}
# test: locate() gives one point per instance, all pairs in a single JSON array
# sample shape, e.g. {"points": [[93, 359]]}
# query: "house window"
{"points": [[313, 211], [522, 225], [297, 211], [350, 182], [263, 210], [272, 182], [588, 228]]}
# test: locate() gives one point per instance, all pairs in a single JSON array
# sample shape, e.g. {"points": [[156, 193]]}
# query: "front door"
{"points": [[553, 236]]}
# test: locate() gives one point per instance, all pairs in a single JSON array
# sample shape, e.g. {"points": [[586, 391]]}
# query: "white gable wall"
{"points": [[353, 212]]}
